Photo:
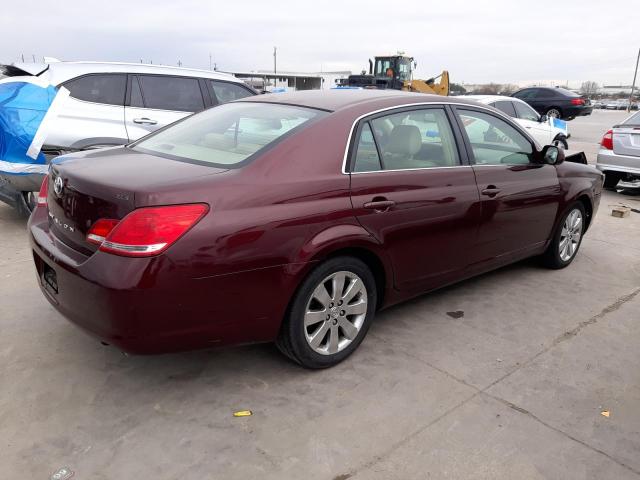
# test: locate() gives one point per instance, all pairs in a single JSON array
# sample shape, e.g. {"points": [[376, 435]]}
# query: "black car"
{"points": [[555, 102]]}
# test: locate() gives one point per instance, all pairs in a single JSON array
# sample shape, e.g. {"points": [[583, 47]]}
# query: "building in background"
{"points": [[265, 81]]}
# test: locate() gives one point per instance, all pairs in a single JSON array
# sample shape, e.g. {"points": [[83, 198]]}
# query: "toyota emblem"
{"points": [[57, 186]]}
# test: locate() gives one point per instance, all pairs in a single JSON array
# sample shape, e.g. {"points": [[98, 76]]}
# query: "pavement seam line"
{"points": [[565, 336], [557, 430]]}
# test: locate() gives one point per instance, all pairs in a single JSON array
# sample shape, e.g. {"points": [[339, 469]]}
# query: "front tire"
{"points": [[330, 313], [567, 239], [561, 142]]}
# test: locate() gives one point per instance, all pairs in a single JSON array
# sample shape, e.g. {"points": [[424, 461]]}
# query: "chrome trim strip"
{"points": [[410, 169], [133, 248], [482, 107]]}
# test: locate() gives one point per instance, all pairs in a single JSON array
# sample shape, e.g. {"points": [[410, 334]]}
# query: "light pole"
{"points": [[275, 71], [633, 85]]}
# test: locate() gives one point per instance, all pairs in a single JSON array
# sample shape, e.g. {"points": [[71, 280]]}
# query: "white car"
{"points": [[545, 130], [98, 105]]}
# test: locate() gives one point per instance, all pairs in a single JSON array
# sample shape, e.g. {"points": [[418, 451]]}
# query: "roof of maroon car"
{"points": [[342, 98]]}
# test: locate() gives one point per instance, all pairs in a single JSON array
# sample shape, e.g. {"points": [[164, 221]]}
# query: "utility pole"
{"points": [[275, 70], [210, 61], [633, 85], [179, 63]]}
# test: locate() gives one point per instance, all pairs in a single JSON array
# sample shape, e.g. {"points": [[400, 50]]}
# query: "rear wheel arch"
{"points": [[371, 260]]}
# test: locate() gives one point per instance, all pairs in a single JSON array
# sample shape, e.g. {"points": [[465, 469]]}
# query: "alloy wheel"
{"points": [[553, 112], [335, 312], [570, 235]]}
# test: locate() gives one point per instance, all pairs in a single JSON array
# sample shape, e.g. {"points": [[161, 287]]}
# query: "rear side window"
{"points": [[408, 140], [367, 159], [227, 135], [524, 94], [505, 107], [228, 92], [171, 93], [104, 88]]}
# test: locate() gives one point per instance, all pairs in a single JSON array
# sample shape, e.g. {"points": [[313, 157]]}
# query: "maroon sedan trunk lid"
{"points": [[85, 187]]}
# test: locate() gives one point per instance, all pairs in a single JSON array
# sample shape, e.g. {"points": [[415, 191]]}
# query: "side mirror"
{"points": [[543, 119], [552, 155]]}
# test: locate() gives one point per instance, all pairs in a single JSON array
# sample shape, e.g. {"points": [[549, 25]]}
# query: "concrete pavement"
{"points": [[514, 388]]}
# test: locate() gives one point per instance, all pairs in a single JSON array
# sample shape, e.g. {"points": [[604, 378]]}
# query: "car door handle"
{"points": [[145, 120], [491, 191], [379, 205]]}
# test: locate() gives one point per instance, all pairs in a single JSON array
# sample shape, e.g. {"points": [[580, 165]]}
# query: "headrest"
{"points": [[404, 139]]}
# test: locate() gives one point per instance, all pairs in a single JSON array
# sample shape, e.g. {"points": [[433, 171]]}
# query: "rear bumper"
{"points": [[577, 111], [151, 305], [608, 161]]}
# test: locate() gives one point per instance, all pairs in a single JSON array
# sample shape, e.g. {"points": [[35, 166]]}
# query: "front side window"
{"points": [[228, 135], [228, 92], [525, 112], [108, 88], [171, 93], [383, 67], [494, 141], [408, 140], [505, 107]]}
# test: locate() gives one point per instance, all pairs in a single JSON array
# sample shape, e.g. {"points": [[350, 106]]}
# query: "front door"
{"points": [[414, 193], [520, 197]]}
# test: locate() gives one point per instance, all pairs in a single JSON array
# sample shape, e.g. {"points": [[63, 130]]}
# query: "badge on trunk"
{"points": [[57, 186]]}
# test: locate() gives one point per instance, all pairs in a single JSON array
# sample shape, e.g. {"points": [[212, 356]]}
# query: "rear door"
{"points": [[158, 100], [93, 114], [520, 198], [415, 193]]}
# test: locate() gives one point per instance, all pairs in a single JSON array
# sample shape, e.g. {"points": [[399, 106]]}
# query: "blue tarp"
{"points": [[23, 106]]}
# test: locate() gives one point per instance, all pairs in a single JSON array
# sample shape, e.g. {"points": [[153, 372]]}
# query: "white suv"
{"points": [[114, 104]]}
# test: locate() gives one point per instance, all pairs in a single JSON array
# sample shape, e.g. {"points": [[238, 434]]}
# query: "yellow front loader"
{"points": [[396, 72], [429, 86]]}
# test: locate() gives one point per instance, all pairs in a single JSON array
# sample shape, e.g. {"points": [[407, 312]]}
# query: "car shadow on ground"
{"points": [[260, 363]]}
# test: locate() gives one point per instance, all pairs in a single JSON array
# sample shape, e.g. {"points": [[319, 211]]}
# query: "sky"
{"points": [[478, 41]]}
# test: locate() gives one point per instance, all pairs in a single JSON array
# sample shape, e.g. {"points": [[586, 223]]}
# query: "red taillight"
{"points": [[100, 230], [577, 101], [607, 140], [44, 191], [151, 230]]}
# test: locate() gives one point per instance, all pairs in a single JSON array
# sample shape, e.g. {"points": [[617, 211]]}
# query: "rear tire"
{"points": [[554, 112], [611, 179], [567, 239], [329, 314]]}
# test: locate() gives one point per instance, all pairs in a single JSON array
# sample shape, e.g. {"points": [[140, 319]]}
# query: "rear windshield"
{"points": [[228, 135], [566, 92], [633, 119]]}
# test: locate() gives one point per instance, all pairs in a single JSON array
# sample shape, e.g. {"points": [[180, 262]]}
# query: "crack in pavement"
{"points": [[620, 301]]}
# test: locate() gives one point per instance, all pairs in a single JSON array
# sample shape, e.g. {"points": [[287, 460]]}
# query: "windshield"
{"points": [[228, 135], [393, 67]]}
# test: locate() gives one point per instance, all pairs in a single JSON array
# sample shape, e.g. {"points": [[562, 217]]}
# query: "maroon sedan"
{"points": [[295, 217]]}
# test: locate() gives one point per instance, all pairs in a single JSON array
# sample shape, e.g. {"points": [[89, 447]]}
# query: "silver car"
{"points": [[113, 104], [619, 154]]}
